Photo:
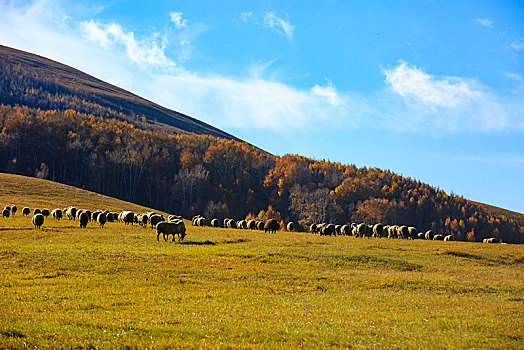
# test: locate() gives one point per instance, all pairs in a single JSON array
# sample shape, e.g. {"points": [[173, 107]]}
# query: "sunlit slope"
{"points": [[37, 193], [48, 84]]}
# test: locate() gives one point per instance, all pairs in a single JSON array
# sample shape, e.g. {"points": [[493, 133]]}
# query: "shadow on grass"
{"points": [[240, 240]]}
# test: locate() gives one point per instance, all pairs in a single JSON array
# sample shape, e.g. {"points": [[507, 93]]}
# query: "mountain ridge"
{"points": [[106, 94]]}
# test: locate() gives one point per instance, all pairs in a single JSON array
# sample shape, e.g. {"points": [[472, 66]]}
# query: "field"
{"points": [[117, 287]]}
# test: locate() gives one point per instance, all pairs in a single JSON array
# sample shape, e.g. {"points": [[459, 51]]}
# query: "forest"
{"points": [[192, 174]]}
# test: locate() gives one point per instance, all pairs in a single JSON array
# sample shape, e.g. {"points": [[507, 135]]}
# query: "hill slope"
{"points": [[35, 81], [38, 193], [64, 287]]}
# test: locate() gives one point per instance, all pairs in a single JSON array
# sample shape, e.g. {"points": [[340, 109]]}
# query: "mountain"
{"points": [[57, 86], [59, 124]]}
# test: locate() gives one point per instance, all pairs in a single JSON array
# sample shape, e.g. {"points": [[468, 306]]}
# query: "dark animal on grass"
{"points": [[290, 226], [403, 232], [101, 219], [271, 226], [252, 224], [313, 228], [345, 230], [214, 222], [14, 209], [260, 225], [83, 218], [378, 229], [490, 240], [71, 213], [26, 211], [37, 211], [412, 232], [46, 212], [56, 214], [448, 238], [38, 221], [155, 219], [6, 213], [328, 230], [429, 235], [167, 228], [438, 237]]}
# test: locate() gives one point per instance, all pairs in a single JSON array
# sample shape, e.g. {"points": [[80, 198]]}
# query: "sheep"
{"points": [[345, 230], [46, 212], [37, 221], [171, 228], [56, 214], [438, 237], [377, 230], [142, 220], [337, 229], [421, 235], [95, 214], [71, 213], [214, 222], [290, 226], [83, 219], [361, 230], [37, 211], [429, 235], [14, 209], [252, 224], [201, 221], [112, 217], [412, 232], [403, 232], [232, 223], [128, 217], [328, 230], [490, 240], [155, 219], [313, 228], [26, 211], [6, 213], [7, 207], [101, 219], [392, 231], [260, 225], [271, 226], [448, 238]]}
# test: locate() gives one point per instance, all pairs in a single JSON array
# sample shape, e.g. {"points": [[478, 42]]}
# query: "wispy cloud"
{"points": [[517, 45], [246, 16], [485, 22], [412, 83], [272, 21], [144, 53], [507, 160], [176, 18]]}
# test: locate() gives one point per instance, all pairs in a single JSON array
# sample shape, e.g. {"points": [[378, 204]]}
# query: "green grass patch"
{"points": [[69, 288]]}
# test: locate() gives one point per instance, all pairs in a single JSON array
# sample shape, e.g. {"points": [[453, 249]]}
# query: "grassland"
{"points": [[117, 287]]}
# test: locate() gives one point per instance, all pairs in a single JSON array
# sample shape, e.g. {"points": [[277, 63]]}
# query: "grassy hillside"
{"points": [[117, 287], [36, 193], [29, 79]]}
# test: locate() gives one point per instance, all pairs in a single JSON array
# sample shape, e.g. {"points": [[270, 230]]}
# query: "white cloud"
{"points": [[143, 53], [246, 16], [410, 82], [516, 45], [176, 18], [485, 22], [272, 21]]}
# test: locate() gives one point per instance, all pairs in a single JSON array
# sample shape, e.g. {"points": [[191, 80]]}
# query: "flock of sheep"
{"points": [[174, 225]]}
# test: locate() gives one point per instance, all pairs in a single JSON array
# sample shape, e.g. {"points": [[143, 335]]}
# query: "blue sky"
{"points": [[433, 90]]}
